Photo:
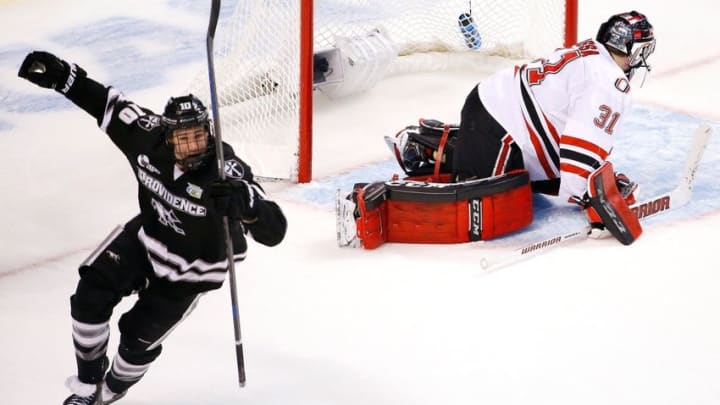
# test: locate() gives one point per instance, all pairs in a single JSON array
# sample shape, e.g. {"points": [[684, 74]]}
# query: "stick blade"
{"points": [[701, 137]]}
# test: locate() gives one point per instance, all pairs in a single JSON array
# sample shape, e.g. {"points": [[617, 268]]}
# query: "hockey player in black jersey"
{"points": [[174, 250]]}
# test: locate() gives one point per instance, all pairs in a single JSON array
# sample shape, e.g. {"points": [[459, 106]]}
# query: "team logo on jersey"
{"points": [[194, 191], [144, 162], [149, 122], [234, 169], [623, 85], [167, 217], [156, 187]]}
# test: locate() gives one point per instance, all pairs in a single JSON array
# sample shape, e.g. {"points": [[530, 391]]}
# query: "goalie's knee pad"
{"points": [[423, 212]]}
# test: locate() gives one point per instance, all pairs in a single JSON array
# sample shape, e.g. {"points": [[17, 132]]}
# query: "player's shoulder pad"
{"points": [[130, 113], [236, 169], [149, 122]]}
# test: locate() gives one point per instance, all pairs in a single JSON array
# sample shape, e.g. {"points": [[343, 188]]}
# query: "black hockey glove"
{"points": [[48, 71], [221, 193], [234, 199]]}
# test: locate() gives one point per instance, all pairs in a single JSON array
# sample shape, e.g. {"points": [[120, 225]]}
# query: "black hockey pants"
{"points": [[483, 146], [118, 268]]}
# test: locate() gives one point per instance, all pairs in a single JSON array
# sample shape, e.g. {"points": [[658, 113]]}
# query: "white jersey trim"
{"points": [[113, 97], [175, 268]]}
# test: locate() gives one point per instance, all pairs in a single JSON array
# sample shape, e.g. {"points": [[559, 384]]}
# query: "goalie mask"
{"points": [[630, 34], [188, 131]]}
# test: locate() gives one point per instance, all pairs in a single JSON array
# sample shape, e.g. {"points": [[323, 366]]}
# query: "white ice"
{"points": [[591, 323]]}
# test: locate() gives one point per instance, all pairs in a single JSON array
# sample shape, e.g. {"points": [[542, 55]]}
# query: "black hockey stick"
{"points": [[229, 252], [658, 204]]}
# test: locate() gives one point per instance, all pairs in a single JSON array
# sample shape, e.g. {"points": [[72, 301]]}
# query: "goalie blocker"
{"points": [[411, 211], [608, 207]]}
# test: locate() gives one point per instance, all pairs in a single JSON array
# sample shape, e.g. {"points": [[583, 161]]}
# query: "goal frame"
{"points": [[305, 110]]}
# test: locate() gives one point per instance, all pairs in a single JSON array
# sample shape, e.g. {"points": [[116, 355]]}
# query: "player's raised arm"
{"points": [[51, 72]]}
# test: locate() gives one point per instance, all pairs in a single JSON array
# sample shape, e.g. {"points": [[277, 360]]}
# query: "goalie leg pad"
{"points": [[483, 209], [427, 222], [506, 212], [409, 211], [371, 211], [611, 207]]}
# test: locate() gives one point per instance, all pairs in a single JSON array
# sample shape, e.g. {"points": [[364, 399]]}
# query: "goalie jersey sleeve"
{"points": [[564, 112], [181, 231]]}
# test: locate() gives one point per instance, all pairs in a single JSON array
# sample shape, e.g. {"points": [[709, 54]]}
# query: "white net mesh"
{"points": [[257, 57]]}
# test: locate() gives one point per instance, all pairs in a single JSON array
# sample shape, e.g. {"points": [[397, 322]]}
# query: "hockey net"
{"points": [[265, 80]]}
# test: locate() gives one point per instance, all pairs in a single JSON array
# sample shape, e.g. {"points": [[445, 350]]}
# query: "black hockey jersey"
{"points": [[181, 231]]}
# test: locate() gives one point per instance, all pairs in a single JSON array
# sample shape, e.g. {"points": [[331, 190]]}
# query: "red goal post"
{"points": [[272, 58]]}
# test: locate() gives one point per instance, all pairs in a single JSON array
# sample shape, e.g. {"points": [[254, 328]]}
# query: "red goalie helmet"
{"points": [[630, 34]]}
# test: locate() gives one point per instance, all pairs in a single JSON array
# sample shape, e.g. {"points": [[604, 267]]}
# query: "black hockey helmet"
{"points": [[188, 112], [630, 34]]}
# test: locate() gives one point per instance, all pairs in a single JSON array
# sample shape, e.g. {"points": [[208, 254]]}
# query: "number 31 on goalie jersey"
{"points": [[607, 119]]}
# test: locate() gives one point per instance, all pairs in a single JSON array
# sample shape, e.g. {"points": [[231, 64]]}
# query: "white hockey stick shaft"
{"points": [[656, 205]]}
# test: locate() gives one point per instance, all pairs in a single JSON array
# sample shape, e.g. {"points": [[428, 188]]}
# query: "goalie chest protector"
{"points": [[410, 211]]}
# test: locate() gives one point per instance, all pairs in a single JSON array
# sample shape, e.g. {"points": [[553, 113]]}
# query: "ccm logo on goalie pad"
{"points": [[475, 219]]}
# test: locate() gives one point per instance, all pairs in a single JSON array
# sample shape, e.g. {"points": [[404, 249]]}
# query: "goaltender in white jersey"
{"points": [[547, 127], [571, 105], [556, 117]]}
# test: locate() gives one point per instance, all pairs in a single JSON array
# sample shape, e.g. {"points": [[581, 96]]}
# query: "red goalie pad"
{"points": [[425, 212], [372, 211], [611, 207]]}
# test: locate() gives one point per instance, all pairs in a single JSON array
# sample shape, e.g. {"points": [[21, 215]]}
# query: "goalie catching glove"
{"points": [[425, 149], [607, 205]]}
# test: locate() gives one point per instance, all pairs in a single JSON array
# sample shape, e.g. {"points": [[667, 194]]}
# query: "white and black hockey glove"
{"points": [[48, 71]]}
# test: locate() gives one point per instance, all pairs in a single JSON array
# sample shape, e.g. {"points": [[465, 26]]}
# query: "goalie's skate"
{"points": [[345, 220]]}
